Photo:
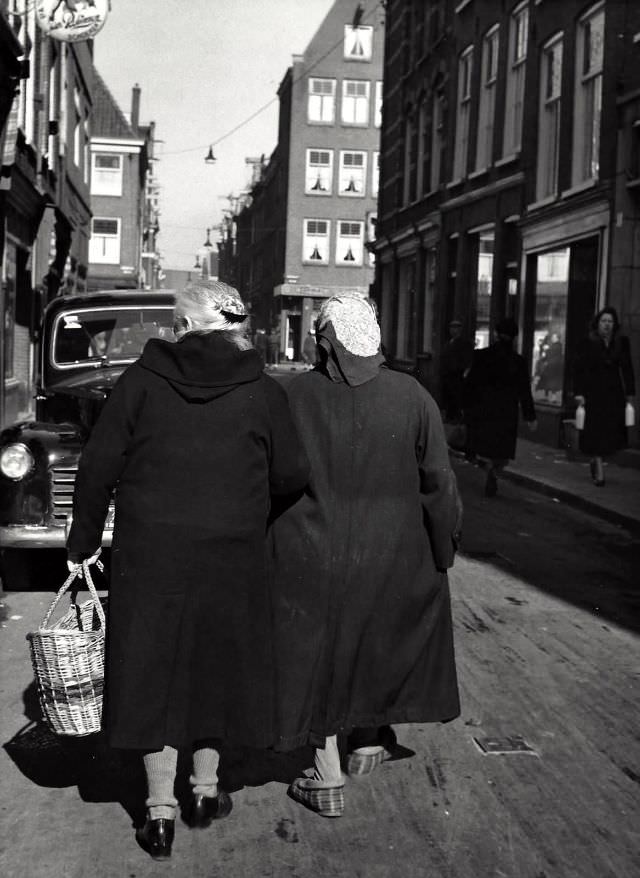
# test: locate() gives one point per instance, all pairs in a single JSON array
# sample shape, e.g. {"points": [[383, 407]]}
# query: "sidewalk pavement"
{"points": [[549, 471]]}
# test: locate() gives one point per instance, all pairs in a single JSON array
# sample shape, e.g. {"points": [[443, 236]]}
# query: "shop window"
{"points": [[315, 247], [104, 244], [106, 174], [353, 173], [349, 243], [321, 106], [319, 172], [516, 66], [549, 120], [487, 108], [358, 43], [405, 345], [465, 69], [355, 102], [486, 242], [377, 110], [550, 322], [588, 96]]}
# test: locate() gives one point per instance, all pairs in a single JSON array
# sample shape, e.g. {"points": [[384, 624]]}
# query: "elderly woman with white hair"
{"points": [[362, 608], [196, 441]]}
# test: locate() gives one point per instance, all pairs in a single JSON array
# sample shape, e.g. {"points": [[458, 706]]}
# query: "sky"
{"points": [[204, 67]]}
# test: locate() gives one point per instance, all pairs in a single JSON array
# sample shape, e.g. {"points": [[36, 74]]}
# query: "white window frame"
{"points": [[516, 70], [105, 248], [354, 108], [375, 174], [377, 107], [319, 174], [588, 98], [549, 118], [315, 239], [487, 105], [321, 104], [352, 173], [463, 110], [106, 181], [358, 43], [349, 243]]}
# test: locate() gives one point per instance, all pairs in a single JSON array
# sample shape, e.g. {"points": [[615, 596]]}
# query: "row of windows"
{"points": [[352, 173], [424, 132], [355, 102], [349, 241]]}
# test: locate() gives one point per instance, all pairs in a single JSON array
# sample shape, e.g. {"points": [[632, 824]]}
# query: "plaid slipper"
{"points": [[328, 801], [365, 763]]}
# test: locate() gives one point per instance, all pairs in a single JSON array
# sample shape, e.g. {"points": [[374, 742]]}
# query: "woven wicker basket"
{"points": [[68, 662]]}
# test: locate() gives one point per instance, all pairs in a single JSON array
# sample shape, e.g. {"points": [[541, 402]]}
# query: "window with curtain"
{"points": [[463, 109], [588, 96], [315, 244], [516, 65], [352, 173], [319, 172], [349, 243], [549, 119], [487, 108]]}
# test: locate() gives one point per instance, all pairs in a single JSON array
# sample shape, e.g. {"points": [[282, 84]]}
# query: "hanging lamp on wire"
{"points": [[208, 243], [197, 262], [210, 159]]}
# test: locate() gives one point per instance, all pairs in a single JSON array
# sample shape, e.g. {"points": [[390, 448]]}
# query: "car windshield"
{"points": [[107, 335]]}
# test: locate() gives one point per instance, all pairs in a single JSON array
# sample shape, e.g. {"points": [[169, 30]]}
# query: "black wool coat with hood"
{"points": [[196, 441]]}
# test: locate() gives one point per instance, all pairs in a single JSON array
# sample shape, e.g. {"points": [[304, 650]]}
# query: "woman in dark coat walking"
{"points": [[362, 608], [603, 381], [194, 439], [495, 388]]}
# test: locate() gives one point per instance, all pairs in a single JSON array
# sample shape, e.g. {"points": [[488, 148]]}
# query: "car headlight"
{"points": [[16, 461]]}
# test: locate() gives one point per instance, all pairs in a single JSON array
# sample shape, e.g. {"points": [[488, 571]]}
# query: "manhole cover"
{"points": [[505, 746]]}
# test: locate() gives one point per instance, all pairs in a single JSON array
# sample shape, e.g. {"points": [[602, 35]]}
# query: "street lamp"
{"points": [[208, 243], [210, 159]]}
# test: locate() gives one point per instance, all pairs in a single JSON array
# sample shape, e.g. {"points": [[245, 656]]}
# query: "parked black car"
{"points": [[86, 343]]}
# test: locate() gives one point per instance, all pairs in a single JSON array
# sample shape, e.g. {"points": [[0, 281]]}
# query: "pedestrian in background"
{"points": [[362, 608], [310, 349], [495, 389], [603, 381], [195, 437], [455, 361]]}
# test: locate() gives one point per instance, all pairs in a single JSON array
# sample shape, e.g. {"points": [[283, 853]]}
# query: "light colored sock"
{"points": [[160, 767], [326, 762], [204, 779], [369, 751]]}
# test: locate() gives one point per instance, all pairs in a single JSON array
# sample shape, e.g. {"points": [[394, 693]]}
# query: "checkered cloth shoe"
{"points": [[364, 763], [327, 801]]}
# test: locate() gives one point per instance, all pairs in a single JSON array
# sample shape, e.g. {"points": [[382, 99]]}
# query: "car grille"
{"points": [[63, 480]]}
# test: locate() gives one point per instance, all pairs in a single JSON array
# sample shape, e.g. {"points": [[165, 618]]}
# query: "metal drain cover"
{"points": [[504, 746]]}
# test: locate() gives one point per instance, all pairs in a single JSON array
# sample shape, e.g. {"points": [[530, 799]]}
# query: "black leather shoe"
{"points": [[156, 837], [491, 485], [203, 810]]}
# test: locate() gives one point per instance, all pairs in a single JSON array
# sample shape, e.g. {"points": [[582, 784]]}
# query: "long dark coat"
{"points": [[604, 376], [362, 606], [196, 438], [496, 387]]}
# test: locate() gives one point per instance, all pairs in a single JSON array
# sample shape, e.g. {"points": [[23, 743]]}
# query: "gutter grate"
{"points": [[504, 746]]}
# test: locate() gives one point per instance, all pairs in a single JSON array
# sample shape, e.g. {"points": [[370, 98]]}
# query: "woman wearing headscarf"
{"points": [[603, 381], [362, 606], [195, 439]]}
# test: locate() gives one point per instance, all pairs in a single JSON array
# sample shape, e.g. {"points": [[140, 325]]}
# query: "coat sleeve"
{"points": [[579, 371], [626, 368], [438, 489], [102, 462], [289, 466], [524, 392]]}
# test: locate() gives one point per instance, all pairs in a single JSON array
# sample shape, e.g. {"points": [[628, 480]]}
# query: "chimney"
{"points": [[135, 107]]}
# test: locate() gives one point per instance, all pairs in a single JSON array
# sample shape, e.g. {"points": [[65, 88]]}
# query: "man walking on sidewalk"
{"points": [[496, 386]]}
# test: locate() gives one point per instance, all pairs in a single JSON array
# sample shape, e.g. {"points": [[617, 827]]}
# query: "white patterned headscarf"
{"points": [[354, 322]]}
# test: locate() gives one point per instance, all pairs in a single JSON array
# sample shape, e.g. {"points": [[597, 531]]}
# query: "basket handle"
{"points": [[92, 590]]}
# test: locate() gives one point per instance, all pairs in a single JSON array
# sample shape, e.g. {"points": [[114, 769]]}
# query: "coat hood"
{"points": [[201, 366]]}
